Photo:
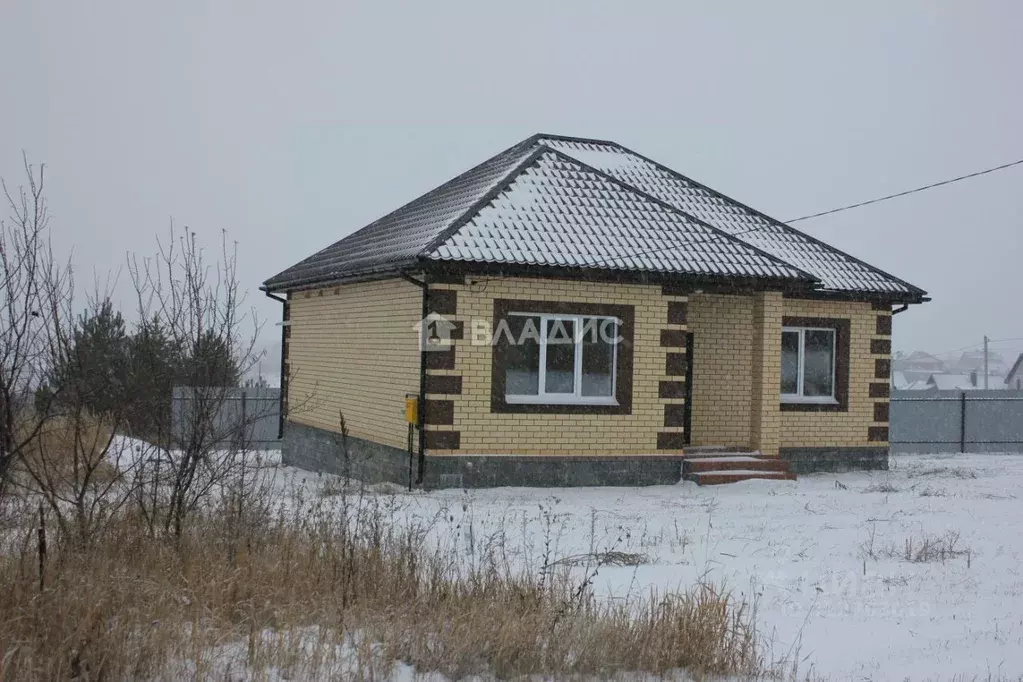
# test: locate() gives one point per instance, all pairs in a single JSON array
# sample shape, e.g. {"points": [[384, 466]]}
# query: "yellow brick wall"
{"points": [[483, 432], [850, 428], [765, 417], [354, 348], [723, 331]]}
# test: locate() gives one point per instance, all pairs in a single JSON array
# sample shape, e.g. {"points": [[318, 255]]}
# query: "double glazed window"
{"points": [[808, 365], [560, 359]]}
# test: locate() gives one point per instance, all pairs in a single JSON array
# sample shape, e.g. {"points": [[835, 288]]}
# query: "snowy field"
{"points": [[913, 573]]}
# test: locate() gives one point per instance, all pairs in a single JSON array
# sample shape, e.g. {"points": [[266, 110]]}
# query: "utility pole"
{"points": [[985, 362]]}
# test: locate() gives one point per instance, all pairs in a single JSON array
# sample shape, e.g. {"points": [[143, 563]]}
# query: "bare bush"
{"points": [[35, 299], [201, 307]]}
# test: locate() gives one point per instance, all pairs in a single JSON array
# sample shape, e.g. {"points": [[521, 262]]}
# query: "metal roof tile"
{"points": [[586, 203]]}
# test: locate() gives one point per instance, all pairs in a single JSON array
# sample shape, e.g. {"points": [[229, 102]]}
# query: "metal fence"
{"points": [[249, 415], [956, 421]]}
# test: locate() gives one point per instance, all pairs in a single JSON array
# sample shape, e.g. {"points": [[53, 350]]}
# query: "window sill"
{"points": [[547, 400], [812, 405], [807, 401], [544, 406]]}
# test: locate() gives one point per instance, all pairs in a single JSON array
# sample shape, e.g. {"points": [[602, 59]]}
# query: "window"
{"points": [[808, 364], [559, 359]]}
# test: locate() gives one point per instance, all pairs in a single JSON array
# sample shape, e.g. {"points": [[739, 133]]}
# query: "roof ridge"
{"points": [[678, 211], [568, 138], [502, 183], [766, 217]]}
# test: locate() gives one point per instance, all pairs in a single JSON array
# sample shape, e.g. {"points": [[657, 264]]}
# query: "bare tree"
{"points": [[35, 304], [201, 304]]}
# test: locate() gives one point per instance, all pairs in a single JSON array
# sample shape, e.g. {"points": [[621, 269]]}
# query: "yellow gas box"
{"points": [[412, 408]]}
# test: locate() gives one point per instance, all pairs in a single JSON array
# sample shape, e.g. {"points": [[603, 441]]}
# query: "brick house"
{"points": [[606, 318]]}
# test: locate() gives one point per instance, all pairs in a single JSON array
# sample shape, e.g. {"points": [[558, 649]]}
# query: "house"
{"points": [[1014, 379], [965, 382], [917, 366], [611, 317], [973, 361]]}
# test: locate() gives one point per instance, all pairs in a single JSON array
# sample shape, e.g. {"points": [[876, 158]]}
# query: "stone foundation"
{"points": [[835, 460], [314, 449]]}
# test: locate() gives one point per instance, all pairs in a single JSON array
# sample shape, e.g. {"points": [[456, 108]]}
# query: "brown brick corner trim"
{"points": [[882, 368], [877, 434], [881, 346], [440, 412], [675, 365], [841, 327], [442, 301], [440, 359], [677, 312], [674, 415], [443, 384]]}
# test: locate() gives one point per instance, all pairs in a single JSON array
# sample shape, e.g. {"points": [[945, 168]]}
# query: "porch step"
{"points": [[734, 463], [720, 454], [734, 476], [720, 465]]}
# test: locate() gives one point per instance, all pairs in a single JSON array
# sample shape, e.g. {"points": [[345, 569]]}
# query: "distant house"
{"points": [[973, 361], [918, 361], [971, 381], [1014, 380], [901, 382], [917, 367]]}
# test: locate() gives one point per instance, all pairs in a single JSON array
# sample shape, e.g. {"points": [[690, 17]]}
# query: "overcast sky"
{"points": [[292, 124]]}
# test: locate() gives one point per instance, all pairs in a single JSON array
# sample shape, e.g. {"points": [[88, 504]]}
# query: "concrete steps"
{"points": [[715, 466]]}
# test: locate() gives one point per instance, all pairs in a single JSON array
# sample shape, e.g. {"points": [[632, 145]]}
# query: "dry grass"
{"points": [[933, 548], [947, 472], [884, 487], [63, 448], [926, 549], [332, 590]]}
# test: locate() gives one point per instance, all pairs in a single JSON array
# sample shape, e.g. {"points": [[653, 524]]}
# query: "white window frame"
{"points": [[576, 397], [798, 396]]}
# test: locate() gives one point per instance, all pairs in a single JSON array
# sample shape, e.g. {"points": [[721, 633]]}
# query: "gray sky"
{"points": [[293, 124]]}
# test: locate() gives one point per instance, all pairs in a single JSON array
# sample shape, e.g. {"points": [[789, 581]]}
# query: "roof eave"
{"points": [[695, 281], [384, 271]]}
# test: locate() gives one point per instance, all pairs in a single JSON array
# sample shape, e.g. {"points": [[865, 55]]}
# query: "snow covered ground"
{"points": [[825, 556]]}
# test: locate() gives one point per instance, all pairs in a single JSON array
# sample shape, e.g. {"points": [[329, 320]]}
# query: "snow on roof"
{"points": [[557, 212], [558, 201], [964, 382]]}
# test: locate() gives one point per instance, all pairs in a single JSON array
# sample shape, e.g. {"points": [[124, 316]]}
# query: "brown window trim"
{"points": [[841, 327], [623, 387]]}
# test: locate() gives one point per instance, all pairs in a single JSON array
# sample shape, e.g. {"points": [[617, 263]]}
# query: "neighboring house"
{"points": [[900, 382], [918, 366], [973, 361], [965, 382], [918, 361], [1014, 379], [609, 314]]}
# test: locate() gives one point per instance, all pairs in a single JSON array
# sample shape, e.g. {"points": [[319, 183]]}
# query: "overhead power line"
{"points": [[909, 191], [727, 235]]}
